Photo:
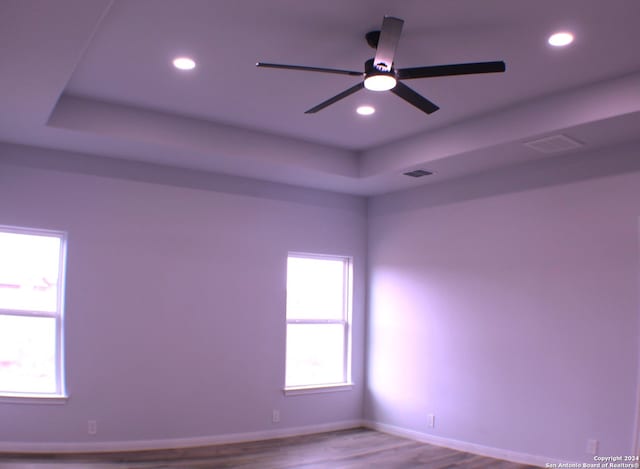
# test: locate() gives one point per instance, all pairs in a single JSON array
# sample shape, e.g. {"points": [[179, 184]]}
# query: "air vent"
{"points": [[554, 144], [418, 173]]}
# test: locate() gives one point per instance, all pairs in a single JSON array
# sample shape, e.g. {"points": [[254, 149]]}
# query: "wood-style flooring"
{"points": [[357, 448]]}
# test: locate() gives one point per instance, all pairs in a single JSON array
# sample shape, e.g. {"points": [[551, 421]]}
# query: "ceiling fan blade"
{"points": [[453, 69], [337, 97], [310, 69], [389, 37], [414, 98]]}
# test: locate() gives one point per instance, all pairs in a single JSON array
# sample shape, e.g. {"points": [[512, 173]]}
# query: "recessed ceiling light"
{"points": [[561, 39], [365, 110], [184, 63]]}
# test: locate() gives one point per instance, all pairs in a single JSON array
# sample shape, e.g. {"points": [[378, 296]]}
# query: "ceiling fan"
{"points": [[381, 75]]}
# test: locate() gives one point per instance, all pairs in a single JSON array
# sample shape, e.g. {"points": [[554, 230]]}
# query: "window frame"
{"points": [[60, 395], [346, 322]]}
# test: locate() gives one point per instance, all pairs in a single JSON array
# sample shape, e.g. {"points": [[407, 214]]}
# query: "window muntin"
{"points": [[31, 299], [318, 320]]}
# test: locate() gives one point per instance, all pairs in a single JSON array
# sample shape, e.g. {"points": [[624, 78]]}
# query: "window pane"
{"points": [[315, 288], [315, 354], [29, 272], [27, 354]]}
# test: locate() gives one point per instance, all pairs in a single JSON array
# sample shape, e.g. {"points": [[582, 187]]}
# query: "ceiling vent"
{"points": [[418, 173], [554, 144]]}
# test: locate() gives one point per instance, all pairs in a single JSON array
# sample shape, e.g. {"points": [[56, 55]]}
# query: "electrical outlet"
{"points": [[275, 416], [92, 427], [592, 446], [431, 420]]}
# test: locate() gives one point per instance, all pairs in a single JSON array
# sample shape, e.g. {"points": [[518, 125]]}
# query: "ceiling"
{"points": [[95, 77]]}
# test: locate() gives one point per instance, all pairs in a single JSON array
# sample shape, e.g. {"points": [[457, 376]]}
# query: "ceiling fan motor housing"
{"points": [[372, 38], [370, 69]]}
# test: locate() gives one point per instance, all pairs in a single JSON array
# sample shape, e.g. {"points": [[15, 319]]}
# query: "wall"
{"points": [[506, 304], [175, 298], [510, 314]]}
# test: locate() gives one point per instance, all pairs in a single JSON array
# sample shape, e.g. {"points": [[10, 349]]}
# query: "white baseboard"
{"points": [[498, 453], [140, 445]]}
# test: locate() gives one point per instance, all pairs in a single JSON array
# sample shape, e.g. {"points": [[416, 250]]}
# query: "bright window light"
{"points": [[31, 278], [561, 39], [27, 354], [365, 110], [315, 354], [184, 63], [318, 315]]}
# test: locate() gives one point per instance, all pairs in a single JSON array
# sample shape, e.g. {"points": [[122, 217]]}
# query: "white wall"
{"points": [[175, 299], [506, 303], [511, 316]]}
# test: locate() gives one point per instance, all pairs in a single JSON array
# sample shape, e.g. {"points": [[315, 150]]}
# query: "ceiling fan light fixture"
{"points": [[380, 82]]}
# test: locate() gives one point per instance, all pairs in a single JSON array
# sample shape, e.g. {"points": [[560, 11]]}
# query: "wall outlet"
{"points": [[92, 427], [431, 420], [592, 446], [275, 416]]}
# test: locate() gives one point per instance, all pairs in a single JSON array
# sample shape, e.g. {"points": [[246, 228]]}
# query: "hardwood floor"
{"points": [[357, 448]]}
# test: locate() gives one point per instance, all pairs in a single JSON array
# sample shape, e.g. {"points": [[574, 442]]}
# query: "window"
{"points": [[31, 300], [318, 315]]}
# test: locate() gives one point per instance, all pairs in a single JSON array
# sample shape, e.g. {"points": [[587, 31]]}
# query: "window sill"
{"points": [[38, 399], [298, 390]]}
